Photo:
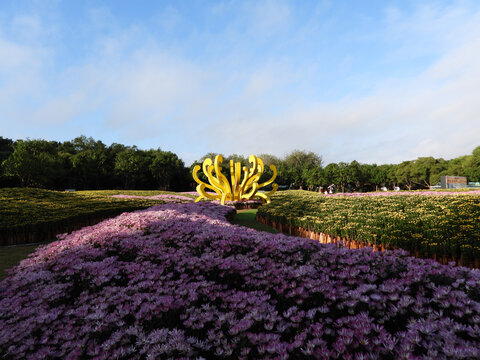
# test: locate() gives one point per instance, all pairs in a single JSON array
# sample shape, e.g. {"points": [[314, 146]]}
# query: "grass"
{"points": [[247, 218], [11, 256]]}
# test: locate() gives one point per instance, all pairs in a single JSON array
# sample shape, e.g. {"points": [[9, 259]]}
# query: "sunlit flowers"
{"points": [[179, 281], [444, 225]]}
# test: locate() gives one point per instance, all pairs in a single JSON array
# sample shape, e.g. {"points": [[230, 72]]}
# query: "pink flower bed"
{"points": [[179, 281], [190, 193], [252, 202], [405, 193], [166, 197]]}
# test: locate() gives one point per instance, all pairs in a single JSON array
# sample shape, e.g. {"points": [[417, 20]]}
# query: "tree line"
{"points": [[305, 170], [85, 163]]}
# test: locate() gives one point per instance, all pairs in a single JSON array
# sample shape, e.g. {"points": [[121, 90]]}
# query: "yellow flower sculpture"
{"points": [[238, 189]]}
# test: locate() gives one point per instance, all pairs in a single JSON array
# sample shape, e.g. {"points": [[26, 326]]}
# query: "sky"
{"points": [[373, 81]]}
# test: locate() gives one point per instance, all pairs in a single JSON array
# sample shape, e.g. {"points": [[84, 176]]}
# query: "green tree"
{"points": [[133, 166], [455, 167], [6, 149], [403, 174], [114, 180], [90, 164], [297, 164], [355, 176], [314, 177], [374, 177], [425, 171], [167, 169], [35, 163], [331, 175], [471, 165], [343, 175], [268, 160]]}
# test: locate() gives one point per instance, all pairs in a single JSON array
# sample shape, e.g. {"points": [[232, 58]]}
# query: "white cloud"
{"points": [[22, 83], [136, 92], [27, 27], [269, 16], [432, 28], [101, 18], [57, 111], [16, 56], [169, 19], [434, 114]]}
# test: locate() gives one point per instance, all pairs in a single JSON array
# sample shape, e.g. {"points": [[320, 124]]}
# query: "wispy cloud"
{"points": [[268, 17], [281, 83]]}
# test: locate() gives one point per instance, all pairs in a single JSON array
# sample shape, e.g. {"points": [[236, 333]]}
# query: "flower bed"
{"points": [[452, 192], [243, 205], [29, 215], [172, 198], [440, 225], [179, 281], [175, 198]]}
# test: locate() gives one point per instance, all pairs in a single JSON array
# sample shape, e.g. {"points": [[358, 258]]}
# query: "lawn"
{"points": [[247, 218], [11, 256]]}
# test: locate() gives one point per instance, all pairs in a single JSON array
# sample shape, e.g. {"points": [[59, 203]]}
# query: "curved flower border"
{"points": [[179, 281]]}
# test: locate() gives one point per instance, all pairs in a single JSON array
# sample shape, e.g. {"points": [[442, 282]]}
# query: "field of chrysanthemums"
{"points": [[444, 224], [178, 281], [35, 215]]}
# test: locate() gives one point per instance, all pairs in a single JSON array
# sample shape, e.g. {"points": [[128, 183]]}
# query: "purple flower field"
{"points": [[166, 197], [178, 281], [407, 193]]}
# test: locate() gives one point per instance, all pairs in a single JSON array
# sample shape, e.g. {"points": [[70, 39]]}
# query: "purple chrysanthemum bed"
{"points": [[179, 281]]}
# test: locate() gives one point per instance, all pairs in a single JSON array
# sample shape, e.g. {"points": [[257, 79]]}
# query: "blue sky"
{"points": [[372, 81]]}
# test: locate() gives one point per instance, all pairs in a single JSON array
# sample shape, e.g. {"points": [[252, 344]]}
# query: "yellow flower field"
{"points": [[444, 225]]}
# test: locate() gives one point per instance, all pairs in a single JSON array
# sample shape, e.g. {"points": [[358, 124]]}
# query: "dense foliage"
{"points": [[431, 223], [178, 281], [84, 163], [43, 212], [305, 170]]}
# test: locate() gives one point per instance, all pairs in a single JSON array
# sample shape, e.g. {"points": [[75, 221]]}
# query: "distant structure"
{"points": [[453, 182]]}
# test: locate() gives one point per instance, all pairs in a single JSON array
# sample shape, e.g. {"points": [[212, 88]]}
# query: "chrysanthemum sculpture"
{"points": [[239, 189]]}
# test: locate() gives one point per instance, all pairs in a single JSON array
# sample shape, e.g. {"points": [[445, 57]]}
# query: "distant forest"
{"points": [[85, 163]]}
